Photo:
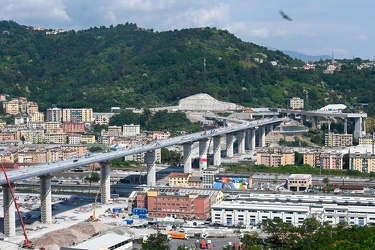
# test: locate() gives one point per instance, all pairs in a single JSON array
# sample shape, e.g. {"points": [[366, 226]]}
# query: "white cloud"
{"points": [[261, 33]]}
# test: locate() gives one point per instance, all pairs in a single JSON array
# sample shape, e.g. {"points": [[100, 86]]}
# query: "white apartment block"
{"points": [[294, 209], [77, 115], [74, 139], [54, 115], [131, 130], [296, 103]]}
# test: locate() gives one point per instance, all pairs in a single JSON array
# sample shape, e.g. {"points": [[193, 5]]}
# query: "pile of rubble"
{"points": [[70, 236]]}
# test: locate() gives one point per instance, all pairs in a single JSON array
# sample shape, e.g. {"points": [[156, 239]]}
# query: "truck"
{"points": [[177, 235], [203, 244], [209, 244]]}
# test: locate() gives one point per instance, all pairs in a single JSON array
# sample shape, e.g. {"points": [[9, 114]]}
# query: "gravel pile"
{"points": [[70, 236]]}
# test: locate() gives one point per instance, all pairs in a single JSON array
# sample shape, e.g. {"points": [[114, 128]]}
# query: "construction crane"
{"points": [[93, 216], [27, 243]]}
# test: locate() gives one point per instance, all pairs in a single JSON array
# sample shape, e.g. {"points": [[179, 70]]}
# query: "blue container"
{"points": [[129, 222], [143, 216], [116, 209], [139, 211]]}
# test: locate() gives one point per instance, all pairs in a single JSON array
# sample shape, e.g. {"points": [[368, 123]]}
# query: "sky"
{"points": [[342, 28]]}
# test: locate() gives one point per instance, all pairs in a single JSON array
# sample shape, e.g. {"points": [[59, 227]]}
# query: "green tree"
{"points": [[94, 177], [157, 241], [251, 242], [325, 181]]}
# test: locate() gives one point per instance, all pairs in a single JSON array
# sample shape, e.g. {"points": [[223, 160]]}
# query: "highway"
{"points": [[59, 166]]}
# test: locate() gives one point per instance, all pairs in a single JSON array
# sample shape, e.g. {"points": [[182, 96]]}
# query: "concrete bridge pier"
{"points": [[217, 151], [241, 141], [9, 213], [314, 122], [203, 149], [187, 157], [262, 136], [151, 174], [105, 183], [45, 199], [229, 144], [358, 127], [251, 139]]}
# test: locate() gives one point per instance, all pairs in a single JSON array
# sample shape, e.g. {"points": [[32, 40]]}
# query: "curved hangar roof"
{"points": [[205, 102]]}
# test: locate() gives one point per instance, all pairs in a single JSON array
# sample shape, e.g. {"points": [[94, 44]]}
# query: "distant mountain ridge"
{"points": [[301, 56]]}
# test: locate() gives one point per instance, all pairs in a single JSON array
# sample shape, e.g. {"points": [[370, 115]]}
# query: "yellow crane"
{"points": [[93, 216]]}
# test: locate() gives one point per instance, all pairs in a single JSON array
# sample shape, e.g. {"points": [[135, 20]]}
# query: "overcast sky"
{"points": [[344, 28]]}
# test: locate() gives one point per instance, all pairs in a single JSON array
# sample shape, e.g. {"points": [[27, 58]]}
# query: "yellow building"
{"points": [[10, 157], [311, 158], [31, 136], [11, 107], [32, 107], [364, 163], [88, 139], [55, 138], [178, 179], [32, 155], [114, 130], [37, 117], [80, 149], [275, 157], [366, 140]]}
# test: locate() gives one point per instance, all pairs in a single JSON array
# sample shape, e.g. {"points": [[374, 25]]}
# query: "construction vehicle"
{"points": [[177, 235], [93, 216], [27, 243]]}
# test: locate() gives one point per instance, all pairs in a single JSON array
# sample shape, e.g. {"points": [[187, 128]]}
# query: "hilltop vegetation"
{"points": [[128, 66]]}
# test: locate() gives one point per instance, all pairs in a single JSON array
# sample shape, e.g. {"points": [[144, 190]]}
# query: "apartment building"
{"points": [[331, 160], [275, 157], [74, 139], [5, 136], [366, 140], [77, 115], [364, 163], [102, 118], [80, 149], [31, 108], [37, 117], [55, 138], [11, 107], [311, 158], [53, 127], [31, 136], [33, 155], [114, 130], [178, 179], [208, 177], [54, 115], [296, 103], [338, 140], [21, 119], [88, 139], [73, 127], [131, 130]]}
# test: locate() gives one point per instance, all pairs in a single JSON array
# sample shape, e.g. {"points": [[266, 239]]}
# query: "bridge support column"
{"points": [[9, 213], [303, 119], [217, 151], [187, 157], [262, 136], [345, 125], [105, 183], [229, 144], [251, 139], [151, 174], [45, 199], [203, 149], [241, 141], [314, 122], [358, 127]]}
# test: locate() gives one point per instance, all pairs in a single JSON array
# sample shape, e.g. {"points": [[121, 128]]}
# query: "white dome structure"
{"points": [[205, 102]]}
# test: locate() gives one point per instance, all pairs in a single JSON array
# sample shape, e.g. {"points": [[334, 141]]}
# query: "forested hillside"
{"points": [[128, 66]]}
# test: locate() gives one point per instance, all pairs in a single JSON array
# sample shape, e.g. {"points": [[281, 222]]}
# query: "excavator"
{"points": [[27, 244]]}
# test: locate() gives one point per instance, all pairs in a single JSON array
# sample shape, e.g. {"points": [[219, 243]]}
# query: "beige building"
{"points": [[11, 107], [31, 108], [102, 118], [364, 163], [178, 179], [299, 182], [275, 157], [366, 140], [311, 158], [338, 140], [74, 139], [31, 136], [77, 115], [54, 115], [114, 130], [33, 155], [37, 117], [10, 157], [296, 103], [80, 149], [55, 138], [53, 127]]}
